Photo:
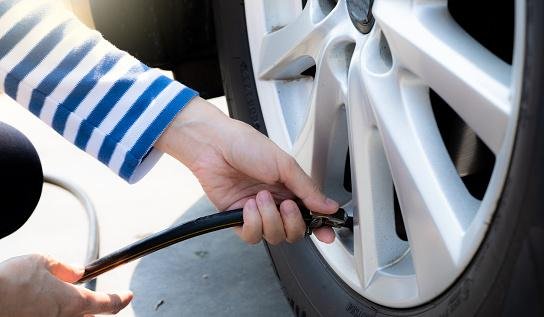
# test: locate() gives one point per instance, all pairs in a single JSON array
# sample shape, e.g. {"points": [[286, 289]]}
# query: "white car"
{"points": [[424, 118]]}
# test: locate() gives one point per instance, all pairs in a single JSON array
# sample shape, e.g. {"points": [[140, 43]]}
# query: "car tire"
{"points": [[506, 275]]}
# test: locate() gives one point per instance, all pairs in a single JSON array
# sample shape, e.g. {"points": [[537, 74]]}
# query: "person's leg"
{"points": [[21, 179]]}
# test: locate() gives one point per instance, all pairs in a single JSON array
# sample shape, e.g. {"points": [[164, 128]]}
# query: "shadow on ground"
{"points": [[212, 275]]}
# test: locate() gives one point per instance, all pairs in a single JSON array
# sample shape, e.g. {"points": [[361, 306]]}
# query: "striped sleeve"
{"points": [[98, 97]]}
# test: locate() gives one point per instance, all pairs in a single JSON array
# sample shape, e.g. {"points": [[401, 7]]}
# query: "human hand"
{"points": [[35, 285], [239, 167]]}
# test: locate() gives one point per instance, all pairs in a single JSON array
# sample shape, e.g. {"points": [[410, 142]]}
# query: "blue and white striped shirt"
{"points": [[98, 97]]}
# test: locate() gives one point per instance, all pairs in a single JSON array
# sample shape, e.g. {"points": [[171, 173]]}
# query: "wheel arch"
{"points": [[176, 35]]}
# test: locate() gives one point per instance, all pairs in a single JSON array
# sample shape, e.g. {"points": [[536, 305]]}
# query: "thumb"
{"points": [[297, 181], [62, 271], [102, 303]]}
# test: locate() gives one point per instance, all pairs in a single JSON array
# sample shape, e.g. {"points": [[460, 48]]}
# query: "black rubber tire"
{"points": [[506, 276]]}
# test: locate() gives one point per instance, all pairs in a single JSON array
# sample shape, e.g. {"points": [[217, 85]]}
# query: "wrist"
{"points": [[198, 126]]}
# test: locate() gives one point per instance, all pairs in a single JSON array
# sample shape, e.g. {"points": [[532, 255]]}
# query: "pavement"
{"points": [[215, 274]]}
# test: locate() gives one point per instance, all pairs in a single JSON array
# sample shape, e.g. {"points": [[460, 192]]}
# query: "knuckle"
{"points": [[295, 237], [275, 240], [246, 238], [315, 188], [250, 241], [254, 240], [250, 237], [287, 166], [85, 300], [292, 240], [291, 164], [77, 306]]}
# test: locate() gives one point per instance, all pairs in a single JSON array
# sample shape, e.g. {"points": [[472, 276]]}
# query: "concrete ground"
{"points": [[212, 275]]}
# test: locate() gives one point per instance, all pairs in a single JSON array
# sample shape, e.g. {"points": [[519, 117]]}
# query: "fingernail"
{"points": [[331, 203]]}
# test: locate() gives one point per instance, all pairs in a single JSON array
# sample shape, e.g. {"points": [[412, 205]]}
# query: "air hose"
{"points": [[93, 239], [195, 228], [97, 266]]}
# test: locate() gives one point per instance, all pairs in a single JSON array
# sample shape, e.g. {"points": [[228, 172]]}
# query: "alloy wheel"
{"points": [[363, 94]]}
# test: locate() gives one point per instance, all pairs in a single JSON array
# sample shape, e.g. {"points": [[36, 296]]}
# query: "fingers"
{"points": [[288, 226], [293, 223], [102, 303], [303, 187], [263, 219], [63, 272], [252, 230], [273, 230], [91, 302]]}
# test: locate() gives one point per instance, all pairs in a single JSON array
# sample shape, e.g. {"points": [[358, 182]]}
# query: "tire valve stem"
{"points": [[340, 219]]}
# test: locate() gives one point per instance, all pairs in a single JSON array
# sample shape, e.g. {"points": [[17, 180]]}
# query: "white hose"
{"points": [[93, 240]]}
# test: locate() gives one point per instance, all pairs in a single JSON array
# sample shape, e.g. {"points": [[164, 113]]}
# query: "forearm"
{"points": [[102, 99]]}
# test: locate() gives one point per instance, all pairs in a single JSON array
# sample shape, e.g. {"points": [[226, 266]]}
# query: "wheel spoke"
{"points": [[425, 39], [376, 244], [292, 49], [323, 135], [435, 204]]}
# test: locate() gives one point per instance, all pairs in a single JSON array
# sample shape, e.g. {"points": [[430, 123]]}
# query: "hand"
{"points": [[239, 167], [34, 285]]}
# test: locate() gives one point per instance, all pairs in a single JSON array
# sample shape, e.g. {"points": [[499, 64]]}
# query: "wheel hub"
{"points": [[360, 12]]}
